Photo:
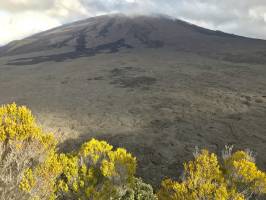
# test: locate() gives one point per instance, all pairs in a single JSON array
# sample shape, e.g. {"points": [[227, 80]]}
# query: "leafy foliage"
{"points": [[243, 174], [23, 146], [40, 182], [97, 171], [237, 178], [31, 168], [140, 191]]}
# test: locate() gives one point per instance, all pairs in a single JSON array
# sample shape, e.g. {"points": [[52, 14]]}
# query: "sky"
{"points": [[21, 18]]}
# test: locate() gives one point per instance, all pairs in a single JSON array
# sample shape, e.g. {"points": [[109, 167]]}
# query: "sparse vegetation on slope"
{"points": [[31, 168]]}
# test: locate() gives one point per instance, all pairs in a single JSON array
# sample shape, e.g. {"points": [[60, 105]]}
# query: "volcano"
{"points": [[154, 85], [110, 33]]}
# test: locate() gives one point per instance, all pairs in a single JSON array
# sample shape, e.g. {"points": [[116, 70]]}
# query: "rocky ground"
{"points": [[158, 103]]}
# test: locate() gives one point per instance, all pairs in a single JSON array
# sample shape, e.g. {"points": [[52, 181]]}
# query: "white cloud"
{"points": [[21, 25], [20, 18]]}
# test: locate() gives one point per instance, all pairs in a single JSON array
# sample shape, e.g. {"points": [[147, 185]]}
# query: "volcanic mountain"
{"points": [[110, 33], [152, 84]]}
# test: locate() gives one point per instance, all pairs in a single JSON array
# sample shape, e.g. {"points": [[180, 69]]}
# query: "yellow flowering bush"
{"points": [[23, 146], [96, 171], [40, 181], [236, 178], [244, 175], [31, 168], [203, 179]]}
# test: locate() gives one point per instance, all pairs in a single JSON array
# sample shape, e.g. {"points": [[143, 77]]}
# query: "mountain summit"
{"points": [[111, 33]]}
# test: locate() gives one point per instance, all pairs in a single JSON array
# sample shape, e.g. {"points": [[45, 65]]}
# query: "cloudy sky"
{"points": [[21, 18]]}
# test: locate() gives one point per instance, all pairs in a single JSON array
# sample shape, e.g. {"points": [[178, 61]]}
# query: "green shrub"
{"points": [[139, 191]]}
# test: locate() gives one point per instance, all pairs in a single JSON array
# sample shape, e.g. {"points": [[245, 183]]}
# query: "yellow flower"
{"points": [[203, 180], [28, 181], [243, 171], [95, 149], [94, 168]]}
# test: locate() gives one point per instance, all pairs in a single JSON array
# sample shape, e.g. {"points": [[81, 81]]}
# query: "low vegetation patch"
{"points": [[31, 168], [235, 178]]}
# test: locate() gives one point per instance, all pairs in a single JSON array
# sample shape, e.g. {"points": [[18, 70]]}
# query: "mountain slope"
{"points": [[156, 86], [113, 32]]}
